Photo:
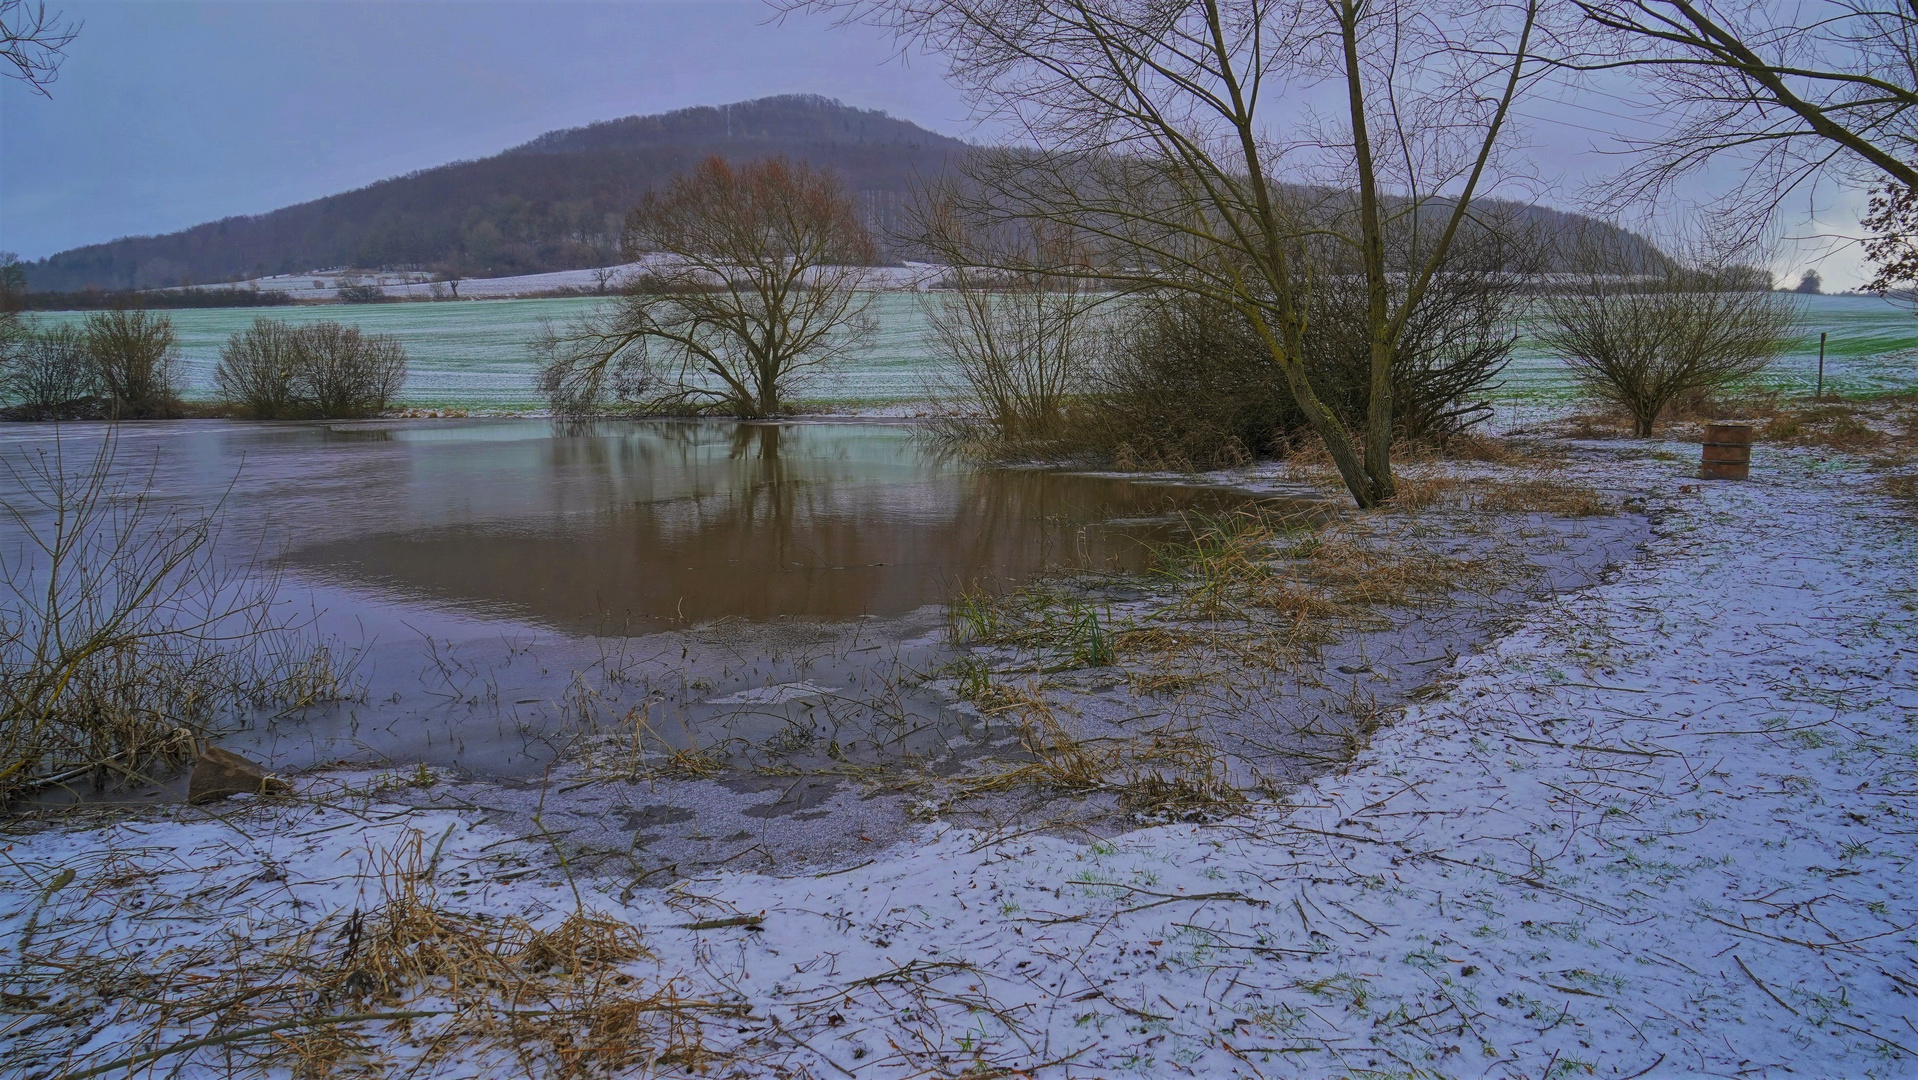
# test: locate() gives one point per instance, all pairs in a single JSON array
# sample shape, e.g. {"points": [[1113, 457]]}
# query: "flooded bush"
{"points": [[343, 372], [48, 375], [256, 368], [123, 641], [1019, 347], [1187, 382], [134, 360], [325, 369]]}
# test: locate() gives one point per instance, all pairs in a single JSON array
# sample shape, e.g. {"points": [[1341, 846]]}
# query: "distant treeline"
{"points": [[102, 300]]}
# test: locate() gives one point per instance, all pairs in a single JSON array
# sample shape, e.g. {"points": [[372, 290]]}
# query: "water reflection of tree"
{"points": [[760, 521]]}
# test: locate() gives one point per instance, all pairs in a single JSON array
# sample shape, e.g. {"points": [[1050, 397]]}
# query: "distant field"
{"points": [[473, 355]]}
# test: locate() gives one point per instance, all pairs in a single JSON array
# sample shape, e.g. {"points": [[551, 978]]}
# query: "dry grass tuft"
{"points": [[584, 942], [1901, 486], [1417, 490], [408, 942], [1172, 774], [1485, 448], [360, 993], [1561, 498]]}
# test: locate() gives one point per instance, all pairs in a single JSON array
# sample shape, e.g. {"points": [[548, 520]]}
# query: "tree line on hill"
{"points": [[558, 202]]}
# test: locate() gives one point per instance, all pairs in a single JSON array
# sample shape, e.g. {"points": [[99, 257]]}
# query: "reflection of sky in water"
{"points": [[473, 354]]}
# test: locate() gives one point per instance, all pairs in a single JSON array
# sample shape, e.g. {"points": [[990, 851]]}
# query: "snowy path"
{"points": [[1665, 828]]}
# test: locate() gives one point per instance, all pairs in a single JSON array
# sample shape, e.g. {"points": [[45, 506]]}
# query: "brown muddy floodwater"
{"points": [[639, 527], [504, 584]]}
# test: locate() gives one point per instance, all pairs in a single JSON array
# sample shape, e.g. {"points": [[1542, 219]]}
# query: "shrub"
{"points": [[48, 375], [257, 369], [1188, 382], [360, 293], [1641, 345], [321, 370], [1019, 349], [132, 354], [341, 372]]}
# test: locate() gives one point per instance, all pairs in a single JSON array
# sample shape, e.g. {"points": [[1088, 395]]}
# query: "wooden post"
{"points": [[1820, 395]]}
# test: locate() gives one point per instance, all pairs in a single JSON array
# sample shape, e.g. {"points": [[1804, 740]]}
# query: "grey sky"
{"points": [[173, 112]]}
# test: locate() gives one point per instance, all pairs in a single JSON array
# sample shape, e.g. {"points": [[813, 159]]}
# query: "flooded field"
{"points": [[504, 585]]}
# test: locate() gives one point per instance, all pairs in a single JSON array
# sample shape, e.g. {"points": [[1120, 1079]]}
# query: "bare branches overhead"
{"points": [[1797, 91], [33, 42]]}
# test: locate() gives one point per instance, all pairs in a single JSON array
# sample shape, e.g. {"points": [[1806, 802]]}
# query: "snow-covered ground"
{"points": [[1665, 827]]}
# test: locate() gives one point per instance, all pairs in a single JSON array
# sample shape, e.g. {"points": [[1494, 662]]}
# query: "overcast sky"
{"points": [[173, 112]]}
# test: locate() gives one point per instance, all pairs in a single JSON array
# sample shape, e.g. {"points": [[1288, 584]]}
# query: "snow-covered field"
{"points": [[1665, 827], [325, 284]]}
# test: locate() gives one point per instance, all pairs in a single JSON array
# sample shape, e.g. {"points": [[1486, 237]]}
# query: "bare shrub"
{"points": [[123, 640], [257, 369], [1641, 343], [762, 284], [134, 361], [1187, 382], [340, 372], [1019, 346], [48, 375], [360, 293]]}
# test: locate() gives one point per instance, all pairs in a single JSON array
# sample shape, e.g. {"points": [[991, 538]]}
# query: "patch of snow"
{"points": [[774, 695]]}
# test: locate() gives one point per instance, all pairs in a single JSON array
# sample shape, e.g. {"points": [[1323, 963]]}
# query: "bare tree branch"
{"points": [[33, 42]]}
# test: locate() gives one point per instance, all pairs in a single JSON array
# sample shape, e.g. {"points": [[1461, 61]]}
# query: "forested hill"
{"points": [[555, 203]]}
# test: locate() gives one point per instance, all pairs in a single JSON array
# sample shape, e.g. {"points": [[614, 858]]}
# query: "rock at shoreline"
{"points": [[220, 773]]}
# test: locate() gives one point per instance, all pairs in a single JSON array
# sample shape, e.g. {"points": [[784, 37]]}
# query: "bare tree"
{"points": [[135, 361], [46, 374], [762, 282], [1819, 88], [1163, 122], [33, 42], [1640, 342], [339, 371]]}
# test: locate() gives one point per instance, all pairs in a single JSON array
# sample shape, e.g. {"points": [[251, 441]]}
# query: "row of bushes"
{"points": [[274, 371], [1172, 380], [120, 364], [124, 364]]}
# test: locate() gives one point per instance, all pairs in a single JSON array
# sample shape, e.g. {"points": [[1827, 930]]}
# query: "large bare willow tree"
{"points": [[1179, 143], [756, 277]]}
